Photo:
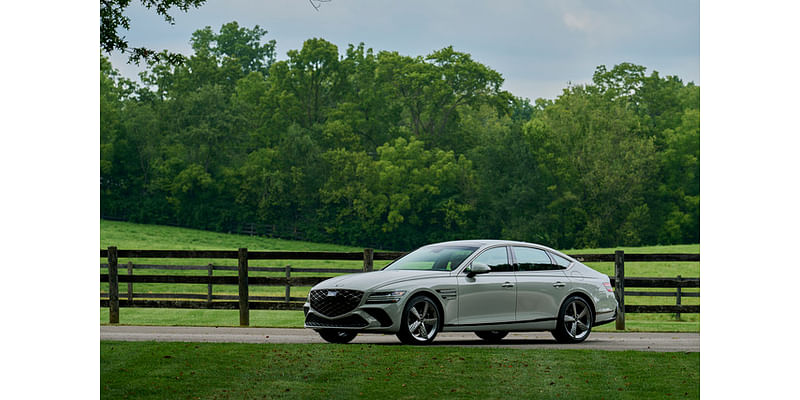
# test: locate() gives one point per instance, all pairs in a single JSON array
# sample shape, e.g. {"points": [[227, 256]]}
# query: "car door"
{"points": [[491, 297], [541, 284]]}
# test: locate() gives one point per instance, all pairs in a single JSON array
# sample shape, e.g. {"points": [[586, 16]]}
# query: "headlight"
{"points": [[385, 297]]}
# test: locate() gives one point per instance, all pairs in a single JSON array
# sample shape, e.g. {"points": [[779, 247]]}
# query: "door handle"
{"points": [[559, 284], [507, 285]]}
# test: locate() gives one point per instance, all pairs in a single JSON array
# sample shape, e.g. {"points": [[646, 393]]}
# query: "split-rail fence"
{"points": [[244, 302]]}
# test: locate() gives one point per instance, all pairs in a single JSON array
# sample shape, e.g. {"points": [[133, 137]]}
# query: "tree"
{"points": [[407, 197], [219, 59], [597, 166], [680, 187], [432, 89], [112, 17], [304, 87], [235, 47], [365, 114]]}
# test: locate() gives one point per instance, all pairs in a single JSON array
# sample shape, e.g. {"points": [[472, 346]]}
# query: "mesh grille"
{"points": [[335, 302], [350, 321]]}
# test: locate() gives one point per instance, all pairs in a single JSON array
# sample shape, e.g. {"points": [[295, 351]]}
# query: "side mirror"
{"points": [[477, 268]]}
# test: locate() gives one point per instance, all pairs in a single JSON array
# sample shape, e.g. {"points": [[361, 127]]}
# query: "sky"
{"points": [[538, 46]]}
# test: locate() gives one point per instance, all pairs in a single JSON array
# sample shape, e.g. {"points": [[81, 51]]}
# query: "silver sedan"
{"points": [[489, 287]]}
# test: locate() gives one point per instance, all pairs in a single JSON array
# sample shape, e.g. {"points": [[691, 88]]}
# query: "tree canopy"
{"points": [[393, 151]]}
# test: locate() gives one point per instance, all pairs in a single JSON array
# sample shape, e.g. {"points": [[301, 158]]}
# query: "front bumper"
{"points": [[366, 317]]}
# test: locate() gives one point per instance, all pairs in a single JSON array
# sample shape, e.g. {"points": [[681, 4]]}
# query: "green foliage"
{"points": [[306, 85], [432, 89], [157, 370], [235, 48], [393, 151], [407, 192], [112, 18]]}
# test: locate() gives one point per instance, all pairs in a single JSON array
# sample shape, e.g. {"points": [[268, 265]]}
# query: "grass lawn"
{"points": [[127, 235], [148, 370]]}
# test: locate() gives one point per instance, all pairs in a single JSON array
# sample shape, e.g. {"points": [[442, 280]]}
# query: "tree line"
{"points": [[394, 151]]}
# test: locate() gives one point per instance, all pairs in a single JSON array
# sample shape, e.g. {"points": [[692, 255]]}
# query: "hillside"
{"points": [[130, 235]]}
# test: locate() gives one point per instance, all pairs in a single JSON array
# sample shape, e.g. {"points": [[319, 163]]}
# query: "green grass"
{"points": [[127, 235], [147, 370]]}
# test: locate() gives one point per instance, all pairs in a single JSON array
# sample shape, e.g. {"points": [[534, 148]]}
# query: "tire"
{"points": [[492, 336], [575, 320], [337, 336], [421, 321]]}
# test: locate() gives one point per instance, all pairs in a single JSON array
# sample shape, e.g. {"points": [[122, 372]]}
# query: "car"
{"points": [[489, 287]]}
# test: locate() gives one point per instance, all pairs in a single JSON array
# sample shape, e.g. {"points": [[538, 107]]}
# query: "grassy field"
{"points": [[126, 235], [147, 370]]}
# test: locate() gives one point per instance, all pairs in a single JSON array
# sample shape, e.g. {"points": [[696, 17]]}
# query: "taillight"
{"points": [[608, 286]]}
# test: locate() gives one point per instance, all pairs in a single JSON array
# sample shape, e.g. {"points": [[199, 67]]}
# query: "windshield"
{"points": [[433, 258]]}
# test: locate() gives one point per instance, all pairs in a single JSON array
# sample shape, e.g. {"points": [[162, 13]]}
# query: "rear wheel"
{"points": [[492, 336], [421, 321], [574, 321], [337, 336]]}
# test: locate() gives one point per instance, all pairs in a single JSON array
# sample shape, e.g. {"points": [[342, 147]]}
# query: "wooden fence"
{"points": [[619, 281], [244, 301]]}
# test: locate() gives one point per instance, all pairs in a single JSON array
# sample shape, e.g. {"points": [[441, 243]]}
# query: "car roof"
{"points": [[482, 243], [487, 242]]}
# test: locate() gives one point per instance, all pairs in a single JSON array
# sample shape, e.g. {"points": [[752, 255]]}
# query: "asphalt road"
{"points": [[642, 341]]}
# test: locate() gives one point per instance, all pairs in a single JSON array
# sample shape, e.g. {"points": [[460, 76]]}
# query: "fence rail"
{"points": [[244, 301], [257, 255]]}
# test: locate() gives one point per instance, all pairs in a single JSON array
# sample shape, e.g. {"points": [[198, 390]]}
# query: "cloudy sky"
{"points": [[538, 46]]}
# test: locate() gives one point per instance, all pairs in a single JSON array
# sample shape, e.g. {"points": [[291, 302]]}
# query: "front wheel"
{"points": [[492, 336], [421, 321], [337, 336], [574, 321]]}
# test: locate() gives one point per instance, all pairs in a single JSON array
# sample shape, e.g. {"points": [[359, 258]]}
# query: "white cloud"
{"points": [[576, 23]]}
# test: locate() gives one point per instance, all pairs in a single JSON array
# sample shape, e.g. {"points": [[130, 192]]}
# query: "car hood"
{"points": [[373, 280]]}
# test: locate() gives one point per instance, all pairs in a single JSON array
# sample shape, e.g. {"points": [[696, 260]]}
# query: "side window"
{"points": [[496, 259], [530, 259], [561, 261]]}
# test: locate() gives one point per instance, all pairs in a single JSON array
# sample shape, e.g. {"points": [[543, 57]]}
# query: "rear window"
{"points": [[561, 260]]}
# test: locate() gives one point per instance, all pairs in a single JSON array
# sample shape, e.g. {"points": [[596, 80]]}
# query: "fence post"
{"points": [[130, 284], [210, 285], [619, 273], [368, 256], [113, 286], [288, 287], [244, 295], [678, 297]]}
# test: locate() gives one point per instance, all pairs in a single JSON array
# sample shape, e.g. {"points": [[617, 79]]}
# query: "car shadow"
{"points": [[483, 343], [504, 342]]}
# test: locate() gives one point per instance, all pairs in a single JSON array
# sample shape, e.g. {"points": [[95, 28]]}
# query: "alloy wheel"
{"points": [[577, 319], [423, 320]]}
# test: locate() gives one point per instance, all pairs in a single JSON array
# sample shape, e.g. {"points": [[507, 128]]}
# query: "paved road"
{"points": [[644, 341]]}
